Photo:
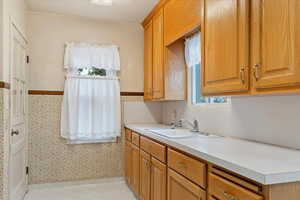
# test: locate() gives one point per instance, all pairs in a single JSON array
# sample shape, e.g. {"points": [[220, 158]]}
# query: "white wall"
{"points": [[269, 119], [48, 34]]}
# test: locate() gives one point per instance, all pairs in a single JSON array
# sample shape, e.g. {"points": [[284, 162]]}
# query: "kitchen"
{"points": [[149, 100]]}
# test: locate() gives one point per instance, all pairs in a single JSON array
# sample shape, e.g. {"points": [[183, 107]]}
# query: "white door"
{"points": [[18, 140]]}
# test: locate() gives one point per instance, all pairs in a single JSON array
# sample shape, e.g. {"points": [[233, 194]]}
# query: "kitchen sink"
{"points": [[175, 133]]}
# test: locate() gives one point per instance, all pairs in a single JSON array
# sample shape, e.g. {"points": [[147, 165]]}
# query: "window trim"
{"points": [[191, 87]]}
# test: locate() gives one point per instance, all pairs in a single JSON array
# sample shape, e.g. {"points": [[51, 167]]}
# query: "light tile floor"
{"points": [[106, 190]]}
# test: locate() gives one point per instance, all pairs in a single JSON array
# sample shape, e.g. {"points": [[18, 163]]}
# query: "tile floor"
{"points": [[105, 190]]}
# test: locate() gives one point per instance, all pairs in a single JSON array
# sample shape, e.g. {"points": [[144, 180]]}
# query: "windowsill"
{"points": [[113, 140]]}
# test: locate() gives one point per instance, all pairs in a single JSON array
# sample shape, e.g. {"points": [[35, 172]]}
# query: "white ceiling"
{"points": [[122, 10]]}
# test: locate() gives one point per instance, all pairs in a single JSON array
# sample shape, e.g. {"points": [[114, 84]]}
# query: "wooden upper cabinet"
{"points": [[158, 55], [148, 63], [275, 43], [181, 17], [225, 58]]}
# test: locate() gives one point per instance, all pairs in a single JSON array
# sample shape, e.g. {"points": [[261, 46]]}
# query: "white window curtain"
{"points": [[84, 55], [193, 50], [91, 109]]}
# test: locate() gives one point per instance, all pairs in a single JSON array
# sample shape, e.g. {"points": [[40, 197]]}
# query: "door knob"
{"points": [[14, 132]]}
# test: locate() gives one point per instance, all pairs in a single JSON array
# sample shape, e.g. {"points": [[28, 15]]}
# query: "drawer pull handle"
{"points": [[229, 196], [256, 71], [182, 165], [242, 74]]}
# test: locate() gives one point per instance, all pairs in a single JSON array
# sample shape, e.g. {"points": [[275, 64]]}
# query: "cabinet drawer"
{"points": [[223, 189], [155, 149], [128, 134], [180, 188], [188, 167], [135, 139]]}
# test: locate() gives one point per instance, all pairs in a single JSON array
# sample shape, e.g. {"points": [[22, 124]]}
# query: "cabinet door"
{"points": [[276, 43], [128, 163], [180, 18], [158, 180], [148, 61], [135, 182], [181, 188], [225, 63], [145, 174], [158, 56]]}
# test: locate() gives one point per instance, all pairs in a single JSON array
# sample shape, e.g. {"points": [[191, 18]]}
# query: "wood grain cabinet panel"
{"points": [[223, 189], [155, 149], [225, 65], [135, 138], [145, 175], [148, 61], [158, 180], [275, 43], [128, 163], [188, 167], [158, 56], [135, 180], [180, 188], [180, 18], [128, 135]]}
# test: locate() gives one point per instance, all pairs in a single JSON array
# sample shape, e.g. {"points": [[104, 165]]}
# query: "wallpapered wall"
{"points": [[51, 159]]}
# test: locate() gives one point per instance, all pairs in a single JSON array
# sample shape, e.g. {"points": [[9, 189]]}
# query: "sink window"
{"points": [[193, 61]]}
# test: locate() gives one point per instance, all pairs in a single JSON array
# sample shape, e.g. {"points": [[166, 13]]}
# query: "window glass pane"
{"points": [[91, 71], [196, 97]]}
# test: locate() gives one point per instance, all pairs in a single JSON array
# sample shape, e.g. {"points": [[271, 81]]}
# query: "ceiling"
{"points": [[122, 10]]}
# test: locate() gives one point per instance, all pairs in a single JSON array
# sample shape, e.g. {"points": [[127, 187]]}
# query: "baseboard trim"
{"points": [[76, 183]]}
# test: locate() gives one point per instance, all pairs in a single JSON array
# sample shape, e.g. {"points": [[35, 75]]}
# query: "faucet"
{"points": [[176, 124], [194, 124]]}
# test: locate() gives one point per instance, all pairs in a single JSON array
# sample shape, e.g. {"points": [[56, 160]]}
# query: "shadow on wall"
{"points": [[269, 119], [142, 112]]}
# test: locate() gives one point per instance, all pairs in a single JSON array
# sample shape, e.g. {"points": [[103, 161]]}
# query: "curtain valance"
{"points": [[82, 55], [192, 50]]}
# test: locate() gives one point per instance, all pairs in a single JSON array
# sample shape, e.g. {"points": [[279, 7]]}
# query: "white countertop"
{"points": [[265, 164]]}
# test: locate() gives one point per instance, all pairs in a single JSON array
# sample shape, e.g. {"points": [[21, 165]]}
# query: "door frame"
{"points": [[14, 28]]}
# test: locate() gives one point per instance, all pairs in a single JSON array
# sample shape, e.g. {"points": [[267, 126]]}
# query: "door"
{"points": [[145, 172], [276, 43], [148, 65], [225, 64], [135, 169], [158, 180], [181, 188], [158, 56], [128, 163], [18, 140]]}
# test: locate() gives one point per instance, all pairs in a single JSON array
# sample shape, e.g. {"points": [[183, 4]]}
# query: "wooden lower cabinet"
{"points": [[128, 162], [145, 175], [180, 188], [135, 180], [224, 189], [158, 180]]}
